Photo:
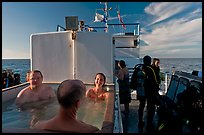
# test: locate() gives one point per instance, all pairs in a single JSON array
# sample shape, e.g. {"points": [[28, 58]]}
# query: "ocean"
{"points": [[21, 66]]}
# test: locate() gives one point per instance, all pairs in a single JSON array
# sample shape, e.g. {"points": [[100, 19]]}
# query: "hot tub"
{"points": [[19, 120]]}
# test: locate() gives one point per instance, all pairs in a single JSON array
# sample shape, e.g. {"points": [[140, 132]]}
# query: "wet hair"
{"points": [[103, 77], [122, 63], [68, 95], [147, 60]]}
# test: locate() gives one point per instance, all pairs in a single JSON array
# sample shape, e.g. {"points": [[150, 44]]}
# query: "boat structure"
{"points": [[80, 51]]}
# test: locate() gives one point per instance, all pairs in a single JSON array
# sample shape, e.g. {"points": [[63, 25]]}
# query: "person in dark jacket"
{"points": [[151, 91], [155, 66]]}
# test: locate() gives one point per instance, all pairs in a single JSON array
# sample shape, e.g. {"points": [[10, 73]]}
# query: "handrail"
{"points": [[58, 28], [124, 24]]}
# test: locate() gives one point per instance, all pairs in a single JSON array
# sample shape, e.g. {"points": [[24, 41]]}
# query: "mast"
{"points": [[106, 16]]}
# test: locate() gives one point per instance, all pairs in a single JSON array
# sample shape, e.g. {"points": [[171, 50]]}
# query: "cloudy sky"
{"points": [[171, 29]]}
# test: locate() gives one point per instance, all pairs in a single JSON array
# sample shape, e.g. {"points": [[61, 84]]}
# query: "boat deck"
{"points": [[130, 121]]}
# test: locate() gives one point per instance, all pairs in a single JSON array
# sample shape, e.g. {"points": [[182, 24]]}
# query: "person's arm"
{"points": [[37, 125], [159, 77], [107, 127], [19, 99], [47, 92], [88, 93], [120, 75], [52, 93]]}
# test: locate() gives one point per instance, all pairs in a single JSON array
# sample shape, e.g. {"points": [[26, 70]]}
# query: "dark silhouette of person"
{"points": [[155, 66], [151, 91]]}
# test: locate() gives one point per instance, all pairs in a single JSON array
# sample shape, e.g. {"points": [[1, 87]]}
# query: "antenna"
{"points": [[106, 16]]}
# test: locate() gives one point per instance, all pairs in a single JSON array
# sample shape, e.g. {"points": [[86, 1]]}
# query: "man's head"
{"points": [[147, 60], [35, 78], [70, 92]]}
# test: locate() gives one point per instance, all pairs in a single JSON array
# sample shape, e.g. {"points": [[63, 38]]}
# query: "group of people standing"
{"points": [[10, 79], [151, 88], [152, 80]]}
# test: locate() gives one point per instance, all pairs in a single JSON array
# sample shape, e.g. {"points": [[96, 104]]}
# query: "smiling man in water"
{"points": [[36, 91]]}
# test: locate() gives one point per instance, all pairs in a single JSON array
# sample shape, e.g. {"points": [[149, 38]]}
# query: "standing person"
{"points": [[155, 66], [151, 91], [35, 91], [124, 88], [137, 83], [145, 82], [4, 80], [11, 79], [69, 94], [98, 92]]}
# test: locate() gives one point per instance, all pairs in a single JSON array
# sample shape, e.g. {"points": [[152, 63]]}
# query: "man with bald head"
{"points": [[69, 95]]}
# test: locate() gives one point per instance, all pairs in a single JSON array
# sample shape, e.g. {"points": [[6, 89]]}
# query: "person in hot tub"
{"points": [[36, 91], [70, 94], [98, 92]]}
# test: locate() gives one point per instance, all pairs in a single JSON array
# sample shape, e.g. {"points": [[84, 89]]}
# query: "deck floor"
{"points": [[130, 121]]}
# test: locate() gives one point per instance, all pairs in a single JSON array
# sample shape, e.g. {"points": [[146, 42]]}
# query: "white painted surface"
{"points": [[59, 57], [52, 54]]}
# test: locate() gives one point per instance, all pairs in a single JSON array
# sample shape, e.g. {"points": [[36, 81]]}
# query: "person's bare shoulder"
{"points": [[88, 92], [39, 125], [107, 94], [49, 90], [107, 127], [87, 128], [92, 129], [22, 92]]}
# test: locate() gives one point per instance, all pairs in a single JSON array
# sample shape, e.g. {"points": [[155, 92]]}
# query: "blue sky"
{"points": [[171, 29]]}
